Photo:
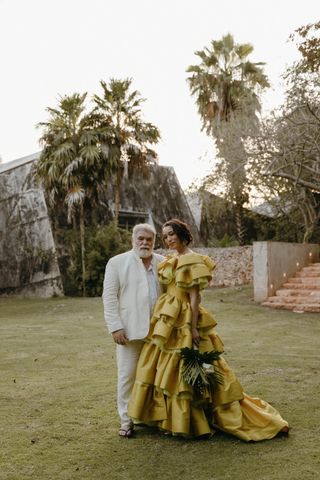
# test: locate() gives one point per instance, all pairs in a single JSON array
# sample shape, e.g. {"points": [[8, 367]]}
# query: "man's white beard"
{"points": [[143, 253]]}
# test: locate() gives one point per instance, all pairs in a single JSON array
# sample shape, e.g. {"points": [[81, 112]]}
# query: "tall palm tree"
{"points": [[70, 152], [223, 79], [125, 138], [226, 83]]}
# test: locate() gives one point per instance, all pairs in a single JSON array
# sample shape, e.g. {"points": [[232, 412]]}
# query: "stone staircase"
{"points": [[301, 293]]}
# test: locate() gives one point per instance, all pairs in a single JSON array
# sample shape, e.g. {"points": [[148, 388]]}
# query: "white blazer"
{"points": [[126, 294]]}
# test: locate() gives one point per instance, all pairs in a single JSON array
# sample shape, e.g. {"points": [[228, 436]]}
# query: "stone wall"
{"points": [[234, 265], [28, 263]]}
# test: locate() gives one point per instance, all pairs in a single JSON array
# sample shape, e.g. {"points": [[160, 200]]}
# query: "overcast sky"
{"points": [[51, 48]]}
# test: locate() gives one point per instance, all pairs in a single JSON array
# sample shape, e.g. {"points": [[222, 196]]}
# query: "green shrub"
{"points": [[101, 243], [224, 242]]}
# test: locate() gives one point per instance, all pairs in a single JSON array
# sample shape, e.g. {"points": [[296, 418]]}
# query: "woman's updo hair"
{"points": [[181, 229]]}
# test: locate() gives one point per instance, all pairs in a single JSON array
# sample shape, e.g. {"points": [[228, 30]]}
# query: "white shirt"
{"points": [[153, 284]]}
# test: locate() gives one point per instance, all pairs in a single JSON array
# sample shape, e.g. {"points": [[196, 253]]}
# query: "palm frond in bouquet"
{"points": [[198, 369]]}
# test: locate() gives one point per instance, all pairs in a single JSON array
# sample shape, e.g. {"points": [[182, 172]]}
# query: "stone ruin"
{"points": [[28, 250], [28, 261]]}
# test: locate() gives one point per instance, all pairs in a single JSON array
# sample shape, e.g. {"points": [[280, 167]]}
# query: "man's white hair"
{"points": [[143, 226]]}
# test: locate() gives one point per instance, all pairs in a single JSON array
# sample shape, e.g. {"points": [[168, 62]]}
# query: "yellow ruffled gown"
{"points": [[161, 397]]}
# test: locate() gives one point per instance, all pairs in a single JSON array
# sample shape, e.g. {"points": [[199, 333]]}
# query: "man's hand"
{"points": [[120, 337]]}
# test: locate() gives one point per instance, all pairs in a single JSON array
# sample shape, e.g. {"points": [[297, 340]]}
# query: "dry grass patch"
{"points": [[58, 411]]}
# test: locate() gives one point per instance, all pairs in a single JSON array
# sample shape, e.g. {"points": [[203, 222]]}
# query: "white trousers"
{"points": [[127, 359]]}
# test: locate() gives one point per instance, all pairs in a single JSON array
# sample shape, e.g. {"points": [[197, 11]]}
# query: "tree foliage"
{"points": [[288, 148], [226, 85], [125, 138], [70, 152], [307, 39], [223, 79], [84, 148], [103, 242]]}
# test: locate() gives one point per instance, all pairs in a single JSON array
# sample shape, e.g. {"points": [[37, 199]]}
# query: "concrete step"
{"points": [[305, 280], [308, 308], [308, 273], [300, 293], [290, 286], [312, 266], [297, 292], [297, 308], [310, 299]]}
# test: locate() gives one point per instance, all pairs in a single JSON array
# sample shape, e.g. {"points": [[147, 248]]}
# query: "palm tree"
{"points": [[225, 84], [125, 139], [223, 79], [67, 163]]}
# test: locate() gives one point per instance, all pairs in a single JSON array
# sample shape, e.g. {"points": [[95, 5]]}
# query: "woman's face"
{"points": [[171, 239]]}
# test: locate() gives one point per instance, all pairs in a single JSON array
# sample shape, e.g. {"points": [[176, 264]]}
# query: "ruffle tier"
{"points": [[186, 271], [170, 325], [160, 396]]}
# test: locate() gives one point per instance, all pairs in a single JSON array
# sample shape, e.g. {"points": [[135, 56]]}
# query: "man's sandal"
{"points": [[126, 432]]}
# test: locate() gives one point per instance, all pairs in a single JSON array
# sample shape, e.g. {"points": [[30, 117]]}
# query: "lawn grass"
{"points": [[58, 417]]}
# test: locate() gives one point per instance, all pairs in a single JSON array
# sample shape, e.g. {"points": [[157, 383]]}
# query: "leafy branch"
{"points": [[198, 370]]}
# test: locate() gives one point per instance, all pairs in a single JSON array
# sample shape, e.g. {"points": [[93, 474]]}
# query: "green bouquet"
{"points": [[198, 369]]}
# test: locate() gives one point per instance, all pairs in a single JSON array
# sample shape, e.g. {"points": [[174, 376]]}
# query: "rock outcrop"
{"points": [[28, 262]]}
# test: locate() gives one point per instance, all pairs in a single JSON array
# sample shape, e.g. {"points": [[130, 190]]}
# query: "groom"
{"points": [[130, 291]]}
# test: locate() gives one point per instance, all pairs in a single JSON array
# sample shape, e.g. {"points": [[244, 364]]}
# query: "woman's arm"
{"points": [[194, 303]]}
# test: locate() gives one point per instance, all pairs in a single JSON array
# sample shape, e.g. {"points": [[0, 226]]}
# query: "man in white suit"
{"points": [[130, 291]]}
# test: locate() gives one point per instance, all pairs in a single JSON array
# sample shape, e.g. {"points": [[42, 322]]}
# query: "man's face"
{"points": [[142, 243]]}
